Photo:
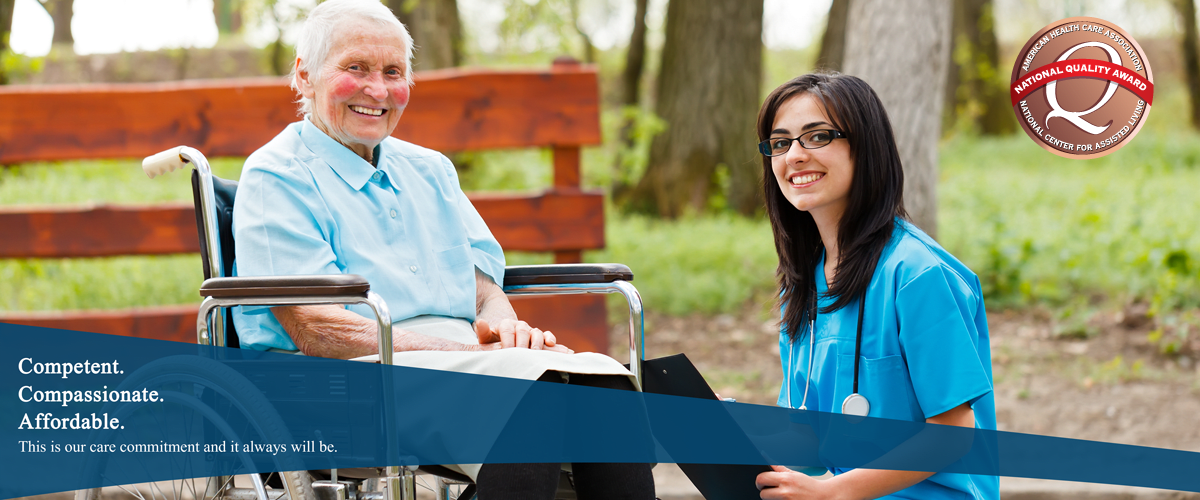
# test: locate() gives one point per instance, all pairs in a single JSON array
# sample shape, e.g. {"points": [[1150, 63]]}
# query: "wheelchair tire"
{"points": [[207, 393]]}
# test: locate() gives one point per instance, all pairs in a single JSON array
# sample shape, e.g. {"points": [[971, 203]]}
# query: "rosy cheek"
{"points": [[343, 87], [402, 94]]}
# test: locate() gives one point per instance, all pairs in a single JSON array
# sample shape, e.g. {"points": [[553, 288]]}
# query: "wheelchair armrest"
{"points": [[333, 285], [565, 274]]}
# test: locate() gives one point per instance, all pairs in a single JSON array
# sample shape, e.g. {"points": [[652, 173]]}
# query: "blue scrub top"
{"points": [[925, 350]]}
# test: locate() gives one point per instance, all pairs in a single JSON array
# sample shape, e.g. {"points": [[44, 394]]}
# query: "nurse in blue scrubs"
{"points": [[878, 319]]}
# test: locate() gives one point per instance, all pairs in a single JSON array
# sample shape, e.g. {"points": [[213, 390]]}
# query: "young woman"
{"points": [[878, 319]]}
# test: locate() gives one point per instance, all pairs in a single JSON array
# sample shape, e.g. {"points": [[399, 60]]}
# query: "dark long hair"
{"points": [[875, 198]]}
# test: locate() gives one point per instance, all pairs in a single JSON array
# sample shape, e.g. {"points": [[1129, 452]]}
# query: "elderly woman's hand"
{"points": [[515, 333]]}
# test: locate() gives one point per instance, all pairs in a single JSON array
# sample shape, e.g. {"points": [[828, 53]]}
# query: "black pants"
{"points": [[599, 481]]}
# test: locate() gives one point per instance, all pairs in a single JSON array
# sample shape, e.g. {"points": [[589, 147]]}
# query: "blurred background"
{"points": [[1090, 269]]}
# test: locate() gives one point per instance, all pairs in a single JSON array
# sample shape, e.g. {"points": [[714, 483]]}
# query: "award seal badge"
{"points": [[1081, 88]]}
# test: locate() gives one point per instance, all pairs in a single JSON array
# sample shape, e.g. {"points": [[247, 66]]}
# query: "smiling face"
{"points": [[816, 181], [360, 92]]}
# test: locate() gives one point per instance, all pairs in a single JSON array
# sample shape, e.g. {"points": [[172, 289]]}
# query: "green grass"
{"points": [[105, 283], [709, 264], [1042, 229], [101, 181]]}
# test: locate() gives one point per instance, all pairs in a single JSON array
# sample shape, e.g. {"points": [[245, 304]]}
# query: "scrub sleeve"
{"points": [[939, 346]]}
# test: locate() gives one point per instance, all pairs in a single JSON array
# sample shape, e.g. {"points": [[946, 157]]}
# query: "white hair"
{"points": [[321, 26]]}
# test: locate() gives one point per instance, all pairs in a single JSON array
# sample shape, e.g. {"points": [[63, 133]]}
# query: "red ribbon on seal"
{"points": [[1086, 68]]}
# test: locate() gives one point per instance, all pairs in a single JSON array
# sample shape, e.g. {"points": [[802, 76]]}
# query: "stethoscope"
{"points": [[854, 404]]}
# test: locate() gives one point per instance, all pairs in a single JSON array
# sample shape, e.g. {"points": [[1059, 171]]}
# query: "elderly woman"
{"points": [[335, 193]]}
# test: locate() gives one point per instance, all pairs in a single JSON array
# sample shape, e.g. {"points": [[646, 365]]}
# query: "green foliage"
{"points": [[1042, 229], [1177, 329], [1073, 321], [634, 157], [1115, 370], [782, 65], [710, 264], [551, 27], [17, 67], [507, 170]]}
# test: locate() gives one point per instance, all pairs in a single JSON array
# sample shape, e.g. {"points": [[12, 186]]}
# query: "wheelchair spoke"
{"points": [[135, 493], [421, 482], [155, 487], [191, 485], [177, 489]]}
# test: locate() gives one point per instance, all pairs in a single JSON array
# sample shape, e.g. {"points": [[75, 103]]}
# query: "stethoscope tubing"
{"points": [[855, 403]]}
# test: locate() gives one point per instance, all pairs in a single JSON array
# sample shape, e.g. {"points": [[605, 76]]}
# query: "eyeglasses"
{"points": [[813, 139]]}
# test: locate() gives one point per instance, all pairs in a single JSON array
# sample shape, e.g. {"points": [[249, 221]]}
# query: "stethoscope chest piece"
{"points": [[856, 404]]}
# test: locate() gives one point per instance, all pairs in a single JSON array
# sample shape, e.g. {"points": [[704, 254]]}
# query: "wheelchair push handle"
{"points": [[166, 161]]}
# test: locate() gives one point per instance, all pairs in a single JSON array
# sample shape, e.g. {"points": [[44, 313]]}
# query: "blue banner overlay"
{"points": [[88, 410]]}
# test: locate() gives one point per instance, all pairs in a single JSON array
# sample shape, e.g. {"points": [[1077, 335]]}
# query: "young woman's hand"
{"points": [[785, 483]]}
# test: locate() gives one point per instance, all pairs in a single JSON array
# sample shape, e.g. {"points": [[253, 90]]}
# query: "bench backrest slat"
{"points": [[543, 223], [451, 110]]}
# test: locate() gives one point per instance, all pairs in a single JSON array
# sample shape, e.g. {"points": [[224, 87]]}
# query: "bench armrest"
{"points": [[565, 274], [333, 285]]}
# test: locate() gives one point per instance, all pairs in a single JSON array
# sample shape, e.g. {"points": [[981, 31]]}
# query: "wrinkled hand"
{"points": [[515, 333], [785, 483]]}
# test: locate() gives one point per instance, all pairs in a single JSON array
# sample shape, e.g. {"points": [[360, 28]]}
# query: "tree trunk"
{"points": [[631, 85], [899, 47], [635, 58], [61, 12], [953, 80], [589, 49], [280, 63], [708, 93], [975, 87], [228, 15], [833, 42], [6, 14], [1191, 58], [436, 30]]}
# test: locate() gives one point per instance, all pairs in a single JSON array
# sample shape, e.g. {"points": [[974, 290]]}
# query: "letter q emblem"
{"points": [[1076, 118]]}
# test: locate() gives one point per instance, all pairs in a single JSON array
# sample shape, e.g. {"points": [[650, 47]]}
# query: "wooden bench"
{"points": [[450, 111]]}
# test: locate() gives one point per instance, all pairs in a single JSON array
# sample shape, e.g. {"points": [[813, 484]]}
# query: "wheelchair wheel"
{"points": [[198, 488], [199, 397]]}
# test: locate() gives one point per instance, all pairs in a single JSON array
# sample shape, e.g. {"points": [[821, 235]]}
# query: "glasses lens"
{"points": [[780, 145], [817, 138]]}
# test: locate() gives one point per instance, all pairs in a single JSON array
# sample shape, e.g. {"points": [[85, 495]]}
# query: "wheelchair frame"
{"points": [[222, 292]]}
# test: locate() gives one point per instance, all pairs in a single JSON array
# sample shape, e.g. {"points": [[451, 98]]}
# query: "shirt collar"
{"points": [[349, 166], [389, 169]]}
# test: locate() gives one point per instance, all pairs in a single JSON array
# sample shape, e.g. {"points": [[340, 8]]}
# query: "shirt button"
{"points": [[412, 268], [377, 175], [393, 214]]}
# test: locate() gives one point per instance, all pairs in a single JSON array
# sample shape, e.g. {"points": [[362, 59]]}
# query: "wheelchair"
{"points": [[213, 203]]}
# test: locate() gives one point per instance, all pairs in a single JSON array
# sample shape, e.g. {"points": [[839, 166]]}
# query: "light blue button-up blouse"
{"points": [[308, 205]]}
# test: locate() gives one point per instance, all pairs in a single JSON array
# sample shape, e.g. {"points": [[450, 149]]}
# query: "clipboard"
{"points": [[677, 376]]}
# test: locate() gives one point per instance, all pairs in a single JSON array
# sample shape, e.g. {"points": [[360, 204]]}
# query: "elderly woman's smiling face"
{"points": [[361, 90]]}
